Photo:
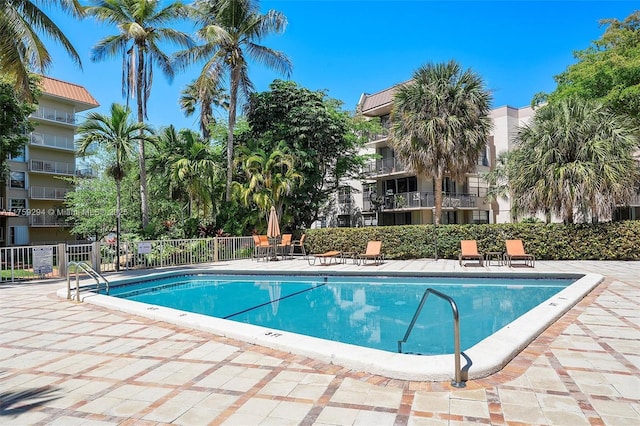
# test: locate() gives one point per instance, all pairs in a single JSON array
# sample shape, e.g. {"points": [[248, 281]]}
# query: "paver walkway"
{"points": [[65, 363]]}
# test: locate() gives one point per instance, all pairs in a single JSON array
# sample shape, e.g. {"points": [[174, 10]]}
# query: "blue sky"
{"points": [[351, 47]]}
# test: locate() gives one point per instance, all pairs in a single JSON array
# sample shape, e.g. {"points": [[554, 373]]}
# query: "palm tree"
{"points": [[141, 31], [118, 133], [230, 30], [269, 178], [440, 123], [204, 94], [576, 156], [21, 49], [188, 165]]}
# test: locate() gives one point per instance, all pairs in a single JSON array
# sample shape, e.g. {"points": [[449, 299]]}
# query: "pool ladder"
{"points": [[89, 271], [458, 381]]}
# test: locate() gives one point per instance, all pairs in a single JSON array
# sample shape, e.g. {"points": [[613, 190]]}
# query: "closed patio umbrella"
{"points": [[273, 229]]}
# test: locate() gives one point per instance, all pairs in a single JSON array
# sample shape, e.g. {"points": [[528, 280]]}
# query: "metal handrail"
{"points": [[88, 270], [457, 382]]}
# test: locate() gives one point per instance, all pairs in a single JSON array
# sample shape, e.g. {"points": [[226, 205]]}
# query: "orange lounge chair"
{"points": [[373, 253], [469, 250], [326, 258], [515, 251]]}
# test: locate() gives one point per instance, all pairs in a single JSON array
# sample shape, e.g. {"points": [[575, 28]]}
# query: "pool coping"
{"points": [[488, 356]]}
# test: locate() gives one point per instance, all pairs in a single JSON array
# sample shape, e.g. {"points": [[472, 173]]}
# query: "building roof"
{"points": [[371, 103], [377, 100], [69, 91]]}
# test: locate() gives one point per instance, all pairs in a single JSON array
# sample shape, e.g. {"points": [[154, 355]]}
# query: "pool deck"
{"points": [[68, 363]]}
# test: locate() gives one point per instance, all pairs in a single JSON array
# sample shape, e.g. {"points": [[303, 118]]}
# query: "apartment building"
{"points": [[34, 193], [391, 195]]}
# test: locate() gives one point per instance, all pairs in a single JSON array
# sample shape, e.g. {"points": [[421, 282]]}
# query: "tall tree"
{"points": [[118, 134], [204, 94], [440, 123], [324, 138], [22, 50], [230, 31], [142, 30], [576, 156]]}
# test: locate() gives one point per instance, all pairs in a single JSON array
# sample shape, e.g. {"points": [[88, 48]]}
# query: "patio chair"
{"points": [[326, 258], [469, 251], [298, 243], [262, 248], [373, 252], [515, 251], [284, 247]]}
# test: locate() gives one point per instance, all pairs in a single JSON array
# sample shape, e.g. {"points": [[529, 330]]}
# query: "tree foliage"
{"points": [[14, 124], [22, 49], [607, 71], [142, 28], [576, 156], [324, 139], [230, 31]]}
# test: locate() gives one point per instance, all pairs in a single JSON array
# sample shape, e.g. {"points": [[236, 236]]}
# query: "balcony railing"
{"points": [[421, 200], [383, 166], [372, 137], [635, 200], [53, 167], [47, 193], [88, 172], [53, 114], [51, 141], [46, 220]]}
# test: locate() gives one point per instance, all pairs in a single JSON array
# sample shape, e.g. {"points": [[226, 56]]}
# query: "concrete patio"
{"points": [[71, 363]]}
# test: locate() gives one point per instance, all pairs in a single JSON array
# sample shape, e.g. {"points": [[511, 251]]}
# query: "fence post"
{"points": [[215, 249], [95, 256], [62, 260]]}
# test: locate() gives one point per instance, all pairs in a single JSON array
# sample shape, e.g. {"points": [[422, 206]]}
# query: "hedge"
{"points": [[604, 241]]}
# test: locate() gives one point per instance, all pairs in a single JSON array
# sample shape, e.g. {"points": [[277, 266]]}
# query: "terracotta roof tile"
{"points": [[73, 92]]}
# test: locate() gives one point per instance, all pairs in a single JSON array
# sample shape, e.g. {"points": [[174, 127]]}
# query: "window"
{"points": [[17, 180], [18, 157], [18, 205], [344, 195], [18, 235]]}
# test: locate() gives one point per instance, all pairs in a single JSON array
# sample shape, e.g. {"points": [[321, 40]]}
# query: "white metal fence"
{"points": [[29, 262]]}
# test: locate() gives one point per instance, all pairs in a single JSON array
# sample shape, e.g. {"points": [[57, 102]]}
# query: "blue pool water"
{"points": [[366, 311]]}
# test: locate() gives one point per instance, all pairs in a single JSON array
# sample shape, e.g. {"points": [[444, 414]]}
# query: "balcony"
{"points": [[421, 200], [46, 220], [52, 114], [635, 201], [53, 167], [374, 137], [51, 141], [47, 193], [383, 166]]}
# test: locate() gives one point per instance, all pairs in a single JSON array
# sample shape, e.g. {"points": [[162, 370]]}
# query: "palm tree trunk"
{"points": [[437, 189], [233, 99], [144, 203], [117, 224]]}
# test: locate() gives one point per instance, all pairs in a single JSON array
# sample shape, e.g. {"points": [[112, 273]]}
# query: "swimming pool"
{"points": [[488, 356], [375, 314]]}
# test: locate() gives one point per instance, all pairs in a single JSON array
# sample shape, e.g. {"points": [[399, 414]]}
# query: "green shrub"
{"points": [[603, 241]]}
